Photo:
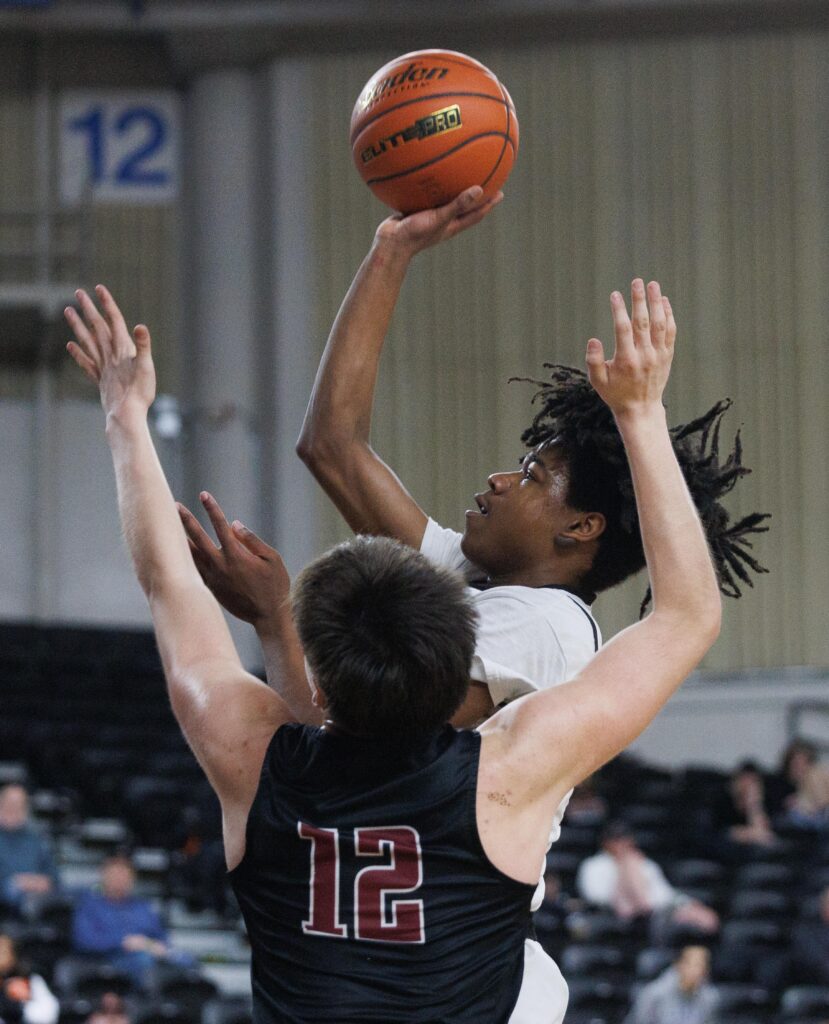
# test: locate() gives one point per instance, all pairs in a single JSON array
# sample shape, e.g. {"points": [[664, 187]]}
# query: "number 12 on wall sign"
{"points": [[119, 146]]}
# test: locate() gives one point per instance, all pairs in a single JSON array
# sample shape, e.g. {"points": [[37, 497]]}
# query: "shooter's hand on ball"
{"points": [[420, 230], [635, 377], [246, 575], [119, 363]]}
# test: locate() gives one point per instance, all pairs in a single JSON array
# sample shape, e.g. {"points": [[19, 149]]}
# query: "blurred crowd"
{"points": [[671, 898]]}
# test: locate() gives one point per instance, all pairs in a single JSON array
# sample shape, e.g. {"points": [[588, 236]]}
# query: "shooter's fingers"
{"points": [[639, 313], [196, 533], [475, 216], [464, 203]]}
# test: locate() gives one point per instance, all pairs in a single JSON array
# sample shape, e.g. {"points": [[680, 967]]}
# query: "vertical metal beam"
{"points": [[290, 359]]}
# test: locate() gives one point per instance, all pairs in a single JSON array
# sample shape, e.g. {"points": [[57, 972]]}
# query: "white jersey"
{"points": [[528, 639]]}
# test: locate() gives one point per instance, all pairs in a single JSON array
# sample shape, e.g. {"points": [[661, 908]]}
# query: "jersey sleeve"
{"points": [[443, 547], [517, 650]]}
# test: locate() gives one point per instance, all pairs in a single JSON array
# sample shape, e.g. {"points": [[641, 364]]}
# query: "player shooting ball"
{"points": [[385, 862]]}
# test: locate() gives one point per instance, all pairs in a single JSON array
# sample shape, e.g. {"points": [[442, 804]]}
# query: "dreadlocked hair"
{"points": [[574, 417]]}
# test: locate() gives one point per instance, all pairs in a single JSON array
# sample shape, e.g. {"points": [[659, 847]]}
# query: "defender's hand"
{"points": [[420, 230], [637, 374], [246, 576], [121, 365]]}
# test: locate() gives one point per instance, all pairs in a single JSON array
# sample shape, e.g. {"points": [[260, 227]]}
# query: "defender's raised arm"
{"points": [[548, 742], [227, 715]]}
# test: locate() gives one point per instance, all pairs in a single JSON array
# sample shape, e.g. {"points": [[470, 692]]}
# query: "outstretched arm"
{"points": [[227, 715], [548, 742], [334, 442]]}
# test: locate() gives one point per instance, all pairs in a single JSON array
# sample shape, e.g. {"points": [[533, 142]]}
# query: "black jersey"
{"points": [[365, 890]]}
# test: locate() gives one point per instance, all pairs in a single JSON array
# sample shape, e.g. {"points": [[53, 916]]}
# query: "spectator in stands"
{"points": [[680, 995], [624, 880], [24, 996], [111, 1009], [27, 870], [808, 805], [121, 928], [810, 946], [742, 816]]}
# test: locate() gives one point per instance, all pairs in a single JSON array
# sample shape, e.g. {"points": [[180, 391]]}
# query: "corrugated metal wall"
{"points": [[132, 248], [698, 161]]}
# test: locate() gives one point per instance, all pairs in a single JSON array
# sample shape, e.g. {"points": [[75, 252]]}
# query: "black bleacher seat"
{"points": [[598, 961], [166, 1013], [592, 1000], [803, 1002], [753, 934], [766, 876], [93, 982], [75, 1011], [653, 961], [189, 990], [657, 844], [695, 871], [582, 840], [762, 905], [741, 1004], [228, 1010], [650, 817], [42, 946]]}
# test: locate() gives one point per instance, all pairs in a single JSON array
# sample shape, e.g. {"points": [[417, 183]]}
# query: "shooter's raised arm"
{"points": [[334, 442]]}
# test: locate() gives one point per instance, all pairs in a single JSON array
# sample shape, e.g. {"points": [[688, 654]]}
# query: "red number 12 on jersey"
{"points": [[402, 920]]}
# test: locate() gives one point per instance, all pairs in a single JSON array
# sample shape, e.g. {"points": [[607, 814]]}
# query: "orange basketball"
{"points": [[430, 124]]}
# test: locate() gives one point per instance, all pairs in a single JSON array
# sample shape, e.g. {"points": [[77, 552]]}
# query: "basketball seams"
{"points": [[442, 156], [487, 179], [355, 132]]}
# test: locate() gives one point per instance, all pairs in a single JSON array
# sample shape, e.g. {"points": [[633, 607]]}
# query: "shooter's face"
{"points": [[513, 529]]}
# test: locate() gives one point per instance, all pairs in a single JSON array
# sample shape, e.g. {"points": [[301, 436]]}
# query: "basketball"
{"points": [[430, 124]]}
